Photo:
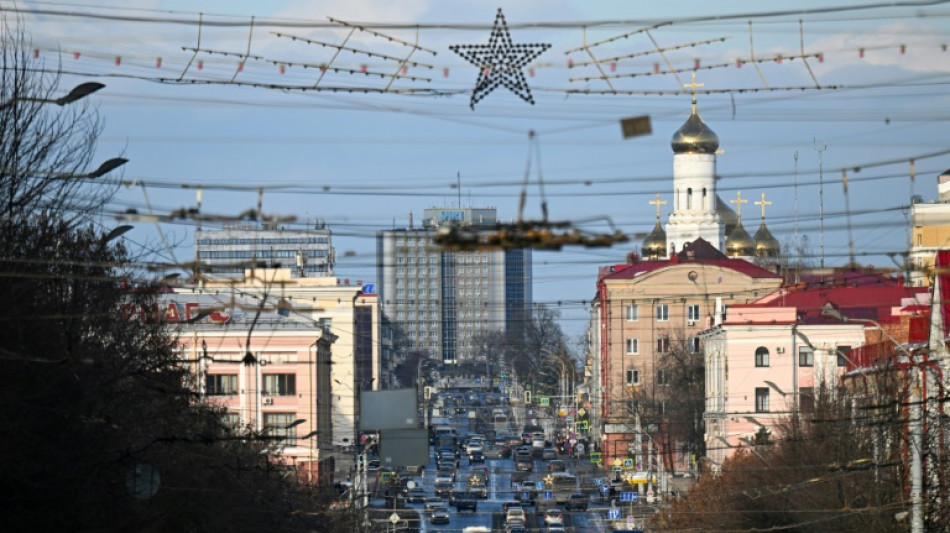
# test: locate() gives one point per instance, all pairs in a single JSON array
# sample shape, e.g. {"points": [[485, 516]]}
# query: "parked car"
{"points": [[577, 500]]}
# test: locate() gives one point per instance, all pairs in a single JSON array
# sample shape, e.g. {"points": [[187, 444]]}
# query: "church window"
{"points": [[689, 198]]}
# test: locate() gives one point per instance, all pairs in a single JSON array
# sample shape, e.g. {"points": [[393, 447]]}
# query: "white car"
{"points": [[475, 444], [514, 513]]}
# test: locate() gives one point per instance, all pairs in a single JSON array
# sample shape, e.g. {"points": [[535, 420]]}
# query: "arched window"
{"points": [[761, 356], [705, 200], [689, 198]]}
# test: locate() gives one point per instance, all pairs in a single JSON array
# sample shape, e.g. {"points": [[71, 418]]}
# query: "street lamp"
{"points": [[79, 92]]}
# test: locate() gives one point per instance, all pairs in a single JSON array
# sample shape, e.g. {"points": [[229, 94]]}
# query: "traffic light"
{"points": [[527, 396]]}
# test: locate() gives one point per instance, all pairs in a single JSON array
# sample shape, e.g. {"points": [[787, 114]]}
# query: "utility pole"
{"points": [[821, 199]]}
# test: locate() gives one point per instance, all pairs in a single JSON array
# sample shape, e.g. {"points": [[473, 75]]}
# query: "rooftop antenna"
{"points": [[821, 199]]}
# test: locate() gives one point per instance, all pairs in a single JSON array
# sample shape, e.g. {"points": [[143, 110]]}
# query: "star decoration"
{"points": [[500, 62]]}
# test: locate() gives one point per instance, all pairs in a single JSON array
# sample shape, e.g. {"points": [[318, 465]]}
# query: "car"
{"points": [[433, 503], [475, 444], [443, 489], [509, 504], [479, 489], [511, 523], [557, 465], [554, 517], [496, 451], [440, 516], [516, 528], [537, 443], [524, 464], [416, 494], [548, 453], [466, 501], [514, 513], [446, 472], [476, 456], [555, 529], [577, 500]]}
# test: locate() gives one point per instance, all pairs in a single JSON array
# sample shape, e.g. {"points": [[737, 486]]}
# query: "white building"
{"points": [[229, 251]]}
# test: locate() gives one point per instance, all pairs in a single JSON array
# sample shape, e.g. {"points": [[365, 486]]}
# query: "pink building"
{"points": [[269, 371], [768, 359]]}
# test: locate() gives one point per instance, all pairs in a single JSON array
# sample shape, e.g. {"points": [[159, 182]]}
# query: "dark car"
{"points": [[466, 502], [577, 500], [443, 490], [476, 456], [416, 495], [557, 465], [524, 464]]}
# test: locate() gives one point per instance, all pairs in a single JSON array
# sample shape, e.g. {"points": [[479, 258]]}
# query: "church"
{"points": [[646, 406]]}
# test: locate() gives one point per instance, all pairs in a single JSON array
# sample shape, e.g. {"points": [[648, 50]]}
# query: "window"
{"points": [[761, 400], [662, 345], [633, 313], [280, 384], [327, 323], [693, 345], [692, 312], [221, 384], [633, 346], [662, 377], [662, 313], [806, 399], [761, 356], [281, 425], [842, 355], [633, 377], [806, 356], [231, 422]]}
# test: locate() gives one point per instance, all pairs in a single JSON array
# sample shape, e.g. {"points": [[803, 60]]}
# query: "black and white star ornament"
{"points": [[500, 62]]}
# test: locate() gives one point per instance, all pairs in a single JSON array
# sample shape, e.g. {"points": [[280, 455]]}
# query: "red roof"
{"points": [[855, 294], [698, 252]]}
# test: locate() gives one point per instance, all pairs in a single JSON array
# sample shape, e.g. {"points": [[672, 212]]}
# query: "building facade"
{"points": [[930, 232], [228, 252], [772, 358], [649, 314], [271, 375], [439, 301], [322, 305]]}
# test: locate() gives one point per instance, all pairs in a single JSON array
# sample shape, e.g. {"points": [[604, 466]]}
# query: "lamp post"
{"points": [[77, 93]]}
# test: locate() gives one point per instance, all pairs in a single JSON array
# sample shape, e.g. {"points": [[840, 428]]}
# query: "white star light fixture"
{"points": [[500, 62]]}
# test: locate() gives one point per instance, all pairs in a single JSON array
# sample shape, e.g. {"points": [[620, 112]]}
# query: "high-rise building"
{"points": [[229, 251], [930, 223], [439, 301]]}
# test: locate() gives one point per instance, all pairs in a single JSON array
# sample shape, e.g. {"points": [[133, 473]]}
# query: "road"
{"points": [[489, 512]]}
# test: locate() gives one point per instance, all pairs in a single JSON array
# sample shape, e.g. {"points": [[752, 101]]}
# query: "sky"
{"points": [[230, 96]]}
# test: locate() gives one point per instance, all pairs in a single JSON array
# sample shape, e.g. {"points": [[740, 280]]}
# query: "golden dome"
{"points": [[654, 246], [766, 245], [727, 216], [694, 137], [739, 244]]}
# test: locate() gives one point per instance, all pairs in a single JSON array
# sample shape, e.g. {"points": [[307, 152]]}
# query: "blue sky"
{"points": [[363, 162]]}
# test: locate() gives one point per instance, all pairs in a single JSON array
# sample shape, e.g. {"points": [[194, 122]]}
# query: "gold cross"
{"points": [[738, 201], [694, 85], [763, 203], [658, 203]]}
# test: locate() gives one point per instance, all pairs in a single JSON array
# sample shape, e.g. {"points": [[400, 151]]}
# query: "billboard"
{"points": [[388, 409]]}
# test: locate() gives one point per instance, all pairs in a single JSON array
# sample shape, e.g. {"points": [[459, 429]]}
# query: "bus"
{"points": [[500, 422]]}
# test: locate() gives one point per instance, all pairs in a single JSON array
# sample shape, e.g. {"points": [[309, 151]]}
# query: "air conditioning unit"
{"points": [[690, 322], [780, 349], [268, 401]]}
